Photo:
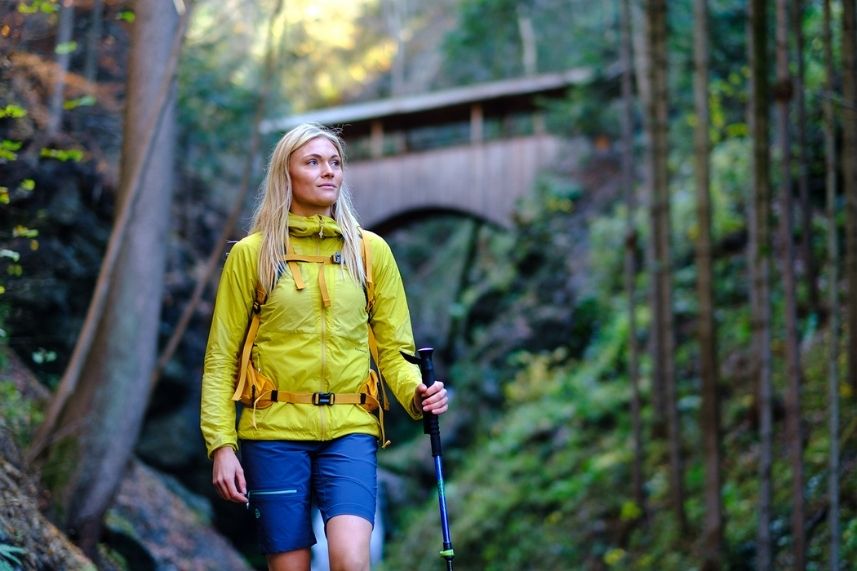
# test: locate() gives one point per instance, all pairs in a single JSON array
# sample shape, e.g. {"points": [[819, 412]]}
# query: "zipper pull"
{"points": [[320, 227]]}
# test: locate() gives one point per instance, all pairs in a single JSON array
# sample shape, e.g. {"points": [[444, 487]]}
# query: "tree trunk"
{"points": [[64, 35], [528, 41], [759, 263], [712, 533], [833, 294], [216, 254], [849, 176], [806, 211], [664, 365], [93, 43], [792, 349], [98, 427], [631, 239]]}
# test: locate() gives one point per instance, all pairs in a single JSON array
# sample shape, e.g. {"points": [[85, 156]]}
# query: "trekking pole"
{"points": [[432, 428]]}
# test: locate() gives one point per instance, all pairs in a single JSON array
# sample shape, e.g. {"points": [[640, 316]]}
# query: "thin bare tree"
{"points": [[806, 211], [631, 240], [783, 95], [93, 41], [833, 293], [712, 533], [760, 264], [849, 177], [65, 32], [663, 330]]}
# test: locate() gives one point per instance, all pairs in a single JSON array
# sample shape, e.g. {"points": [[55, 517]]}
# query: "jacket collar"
{"points": [[318, 225]]}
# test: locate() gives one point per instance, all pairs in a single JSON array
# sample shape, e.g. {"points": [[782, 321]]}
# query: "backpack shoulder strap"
{"points": [[249, 339], [366, 252]]}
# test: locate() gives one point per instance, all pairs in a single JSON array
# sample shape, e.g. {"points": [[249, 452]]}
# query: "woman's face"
{"points": [[316, 173]]}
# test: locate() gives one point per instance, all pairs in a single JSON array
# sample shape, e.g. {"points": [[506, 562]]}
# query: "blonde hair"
{"points": [[271, 218]]}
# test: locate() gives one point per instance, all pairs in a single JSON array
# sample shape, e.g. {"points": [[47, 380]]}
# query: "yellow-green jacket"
{"points": [[303, 346]]}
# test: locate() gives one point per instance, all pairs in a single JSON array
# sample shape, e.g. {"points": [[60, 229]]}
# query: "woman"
{"points": [[312, 342]]}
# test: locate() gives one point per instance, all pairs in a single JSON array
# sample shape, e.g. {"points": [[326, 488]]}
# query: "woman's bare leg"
{"points": [[297, 560], [348, 543]]}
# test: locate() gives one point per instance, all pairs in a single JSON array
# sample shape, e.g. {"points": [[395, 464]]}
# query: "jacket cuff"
{"points": [[220, 443]]}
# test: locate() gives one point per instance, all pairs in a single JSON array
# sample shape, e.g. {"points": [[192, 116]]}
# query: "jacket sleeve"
{"points": [[391, 322], [232, 308]]}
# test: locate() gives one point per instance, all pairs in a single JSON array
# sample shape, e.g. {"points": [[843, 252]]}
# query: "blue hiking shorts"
{"points": [[284, 478]]}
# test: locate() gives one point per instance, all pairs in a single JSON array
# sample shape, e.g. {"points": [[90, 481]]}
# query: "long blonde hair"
{"points": [[271, 218]]}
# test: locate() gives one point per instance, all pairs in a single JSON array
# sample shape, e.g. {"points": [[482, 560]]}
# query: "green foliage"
{"points": [[9, 560], [486, 43], [18, 415], [63, 155], [65, 48], [12, 111], [36, 6], [84, 101], [8, 149]]}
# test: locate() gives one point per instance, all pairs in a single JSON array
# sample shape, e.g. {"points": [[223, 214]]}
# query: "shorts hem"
{"points": [[350, 510], [265, 550]]}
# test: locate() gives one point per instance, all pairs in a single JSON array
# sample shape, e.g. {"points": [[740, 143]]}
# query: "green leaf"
{"points": [[12, 254], [24, 232], [13, 111], [66, 48], [126, 15], [10, 145], [63, 155], [44, 6], [85, 101], [28, 185]]}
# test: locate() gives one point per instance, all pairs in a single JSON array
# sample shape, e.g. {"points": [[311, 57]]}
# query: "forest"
{"points": [[651, 364]]}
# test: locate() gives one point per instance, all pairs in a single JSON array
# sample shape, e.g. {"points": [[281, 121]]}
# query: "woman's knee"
{"points": [[348, 543]]}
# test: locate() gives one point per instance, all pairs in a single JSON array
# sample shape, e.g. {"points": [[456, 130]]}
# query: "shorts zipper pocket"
{"points": [[270, 492]]}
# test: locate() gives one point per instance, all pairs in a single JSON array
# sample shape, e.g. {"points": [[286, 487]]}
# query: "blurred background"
{"points": [[628, 228]]}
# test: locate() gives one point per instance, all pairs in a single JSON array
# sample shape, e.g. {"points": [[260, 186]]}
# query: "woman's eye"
{"points": [[312, 162]]}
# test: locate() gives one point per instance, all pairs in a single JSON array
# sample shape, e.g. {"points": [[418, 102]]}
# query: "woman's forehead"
{"points": [[318, 146]]}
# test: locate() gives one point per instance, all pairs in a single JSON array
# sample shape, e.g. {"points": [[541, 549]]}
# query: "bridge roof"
{"points": [[496, 97]]}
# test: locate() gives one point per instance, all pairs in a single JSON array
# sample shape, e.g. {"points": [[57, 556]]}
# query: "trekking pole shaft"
{"points": [[441, 500], [431, 426]]}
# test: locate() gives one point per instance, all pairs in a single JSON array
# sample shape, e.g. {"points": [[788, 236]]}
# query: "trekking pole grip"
{"points": [[431, 426]]}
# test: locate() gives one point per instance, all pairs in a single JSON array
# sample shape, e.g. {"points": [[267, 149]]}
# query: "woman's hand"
{"points": [[431, 399], [228, 476]]}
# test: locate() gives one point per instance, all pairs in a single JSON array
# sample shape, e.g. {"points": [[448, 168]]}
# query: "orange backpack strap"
{"points": [[249, 339], [292, 260]]}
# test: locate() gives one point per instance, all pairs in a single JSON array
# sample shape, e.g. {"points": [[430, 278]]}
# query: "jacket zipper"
{"points": [[323, 410]]}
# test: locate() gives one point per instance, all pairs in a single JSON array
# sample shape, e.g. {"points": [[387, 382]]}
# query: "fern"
{"points": [[9, 560]]}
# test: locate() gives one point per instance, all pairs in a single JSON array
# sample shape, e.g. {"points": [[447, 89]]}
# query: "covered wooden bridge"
{"points": [[472, 150]]}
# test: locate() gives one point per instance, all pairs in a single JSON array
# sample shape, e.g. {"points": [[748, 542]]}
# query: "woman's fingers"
{"points": [[435, 399]]}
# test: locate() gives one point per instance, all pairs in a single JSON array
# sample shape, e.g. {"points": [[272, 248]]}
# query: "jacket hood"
{"points": [[318, 225]]}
